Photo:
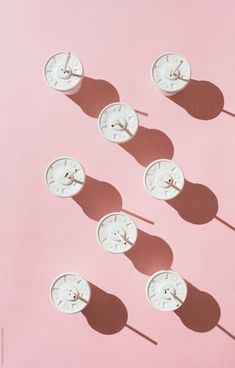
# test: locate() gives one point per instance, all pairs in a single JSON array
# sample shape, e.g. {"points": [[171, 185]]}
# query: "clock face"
{"points": [[116, 233], [166, 290], [171, 72], [63, 71], [118, 122], [70, 293], [164, 179], [65, 177]]}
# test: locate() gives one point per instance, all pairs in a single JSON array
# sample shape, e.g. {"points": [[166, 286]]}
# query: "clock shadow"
{"points": [[108, 315], [149, 145], [105, 313], [150, 254], [201, 99], [94, 95], [98, 198], [196, 203], [200, 312]]}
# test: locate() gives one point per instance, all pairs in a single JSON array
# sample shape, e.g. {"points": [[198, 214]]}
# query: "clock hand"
{"points": [[123, 127], [71, 177], [172, 185], [76, 75], [117, 124], [123, 239], [175, 187], [183, 79], [83, 300], [174, 297], [173, 73], [66, 62], [70, 174]]}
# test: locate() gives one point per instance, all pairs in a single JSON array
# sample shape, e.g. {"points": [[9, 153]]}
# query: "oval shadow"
{"points": [[98, 198], [149, 145], [94, 95], [201, 99], [150, 254], [200, 312], [196, 203], [105, 313]]}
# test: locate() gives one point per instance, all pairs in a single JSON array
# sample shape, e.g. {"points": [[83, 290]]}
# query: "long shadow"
{"points": [[107, 314], [225, 223], [196, 203], [226, 331], [229, 113], [201, 99], [94, 95], [149, 145], [200, 312], [150, 254], [98, 198]]}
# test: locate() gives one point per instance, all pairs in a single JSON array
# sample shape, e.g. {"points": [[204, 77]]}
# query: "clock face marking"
{"points": [[116, 233], [166, 290], [65, 177], [118, 122], [171, 73], [163, 179]]}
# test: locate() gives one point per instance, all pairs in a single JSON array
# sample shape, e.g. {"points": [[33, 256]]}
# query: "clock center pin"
{"points": [[64, 73]]}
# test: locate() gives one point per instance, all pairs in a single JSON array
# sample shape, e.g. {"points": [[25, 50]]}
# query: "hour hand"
{"points": [[67, 61]]}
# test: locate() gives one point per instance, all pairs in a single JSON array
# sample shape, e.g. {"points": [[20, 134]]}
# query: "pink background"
{"points": [[43, 236]]}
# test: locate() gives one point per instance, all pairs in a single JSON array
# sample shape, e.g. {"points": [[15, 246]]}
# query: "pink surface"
{"points": [[43, 236]]}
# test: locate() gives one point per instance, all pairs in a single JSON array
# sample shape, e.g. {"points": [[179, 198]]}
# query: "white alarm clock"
{"points": [[116, 233], [118, 122], [70, 293], [64, 72], [65, 177], [171, 73], [166, 290], [163, 179]]}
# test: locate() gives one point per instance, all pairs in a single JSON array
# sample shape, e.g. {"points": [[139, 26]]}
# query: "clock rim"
{"points": [[158, 273], [145, 173], [113, 214], [64, 158], [112, 104], [67, 274], [162, 89], [63, 90]]}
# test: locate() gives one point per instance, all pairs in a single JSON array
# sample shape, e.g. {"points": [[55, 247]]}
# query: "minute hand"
{"points": [[66, 62], [180, 63]]}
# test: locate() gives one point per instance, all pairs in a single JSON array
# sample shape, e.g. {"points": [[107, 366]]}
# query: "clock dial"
{"points": [[65, 177], [116, 233], [166, 290], [118, 122], [70, 293], [171, 73], [164, 179], [64, 72]]}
